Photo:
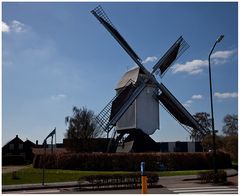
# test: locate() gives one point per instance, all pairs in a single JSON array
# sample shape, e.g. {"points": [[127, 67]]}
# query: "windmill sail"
{"points": [[99, 13], [114, 110], [170, 56], [121, 99], [177, 110], [117, 113]]}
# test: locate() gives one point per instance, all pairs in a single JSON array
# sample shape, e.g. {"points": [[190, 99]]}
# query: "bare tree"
{"points": [[230, 127], [203, 119], [82, 124]]}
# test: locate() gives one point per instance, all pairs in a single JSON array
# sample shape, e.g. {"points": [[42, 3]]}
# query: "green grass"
{"points": [[34, 176]]}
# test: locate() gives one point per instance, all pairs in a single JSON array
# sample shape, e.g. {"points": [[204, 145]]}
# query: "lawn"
{"points": [[34, 176]]}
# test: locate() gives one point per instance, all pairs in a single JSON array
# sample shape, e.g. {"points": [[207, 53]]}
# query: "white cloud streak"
{"points": [[58, 97], [223, 54], [190, 101], [150, 59], [226, 95], [197, 97], [197, 66], [17, 26], [191, 67]]}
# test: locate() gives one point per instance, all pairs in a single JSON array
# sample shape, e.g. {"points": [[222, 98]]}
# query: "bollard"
{"points": [[143, 178], [144, 184]]}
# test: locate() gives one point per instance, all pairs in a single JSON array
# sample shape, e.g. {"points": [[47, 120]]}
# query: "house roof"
{"points": [[14, 140], [29, 142], [18, 140]]}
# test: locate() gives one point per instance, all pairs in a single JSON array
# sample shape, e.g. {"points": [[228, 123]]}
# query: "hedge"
{"points": [[13, 160], [131, 161]]}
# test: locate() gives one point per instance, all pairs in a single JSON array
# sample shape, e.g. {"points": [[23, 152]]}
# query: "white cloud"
{"points": [[188, 103], [58, 97], [197, 97], [5, 27], [15, 26], [225, 95], [196, 66], [150, 59], [223, 54], [190, 67], [221, 57]]}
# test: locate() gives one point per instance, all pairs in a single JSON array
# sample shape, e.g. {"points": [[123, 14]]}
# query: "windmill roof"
{"points": [[131, 76]]}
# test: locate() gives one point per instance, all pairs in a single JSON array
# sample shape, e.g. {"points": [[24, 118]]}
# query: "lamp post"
{"points": [[210, 83]]}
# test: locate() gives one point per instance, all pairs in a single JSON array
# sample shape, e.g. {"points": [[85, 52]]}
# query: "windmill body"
{"points": [[135, 108], [143, 114]]}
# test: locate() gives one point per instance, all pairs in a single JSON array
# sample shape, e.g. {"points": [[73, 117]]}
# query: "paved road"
{"points": [[207, 189], [9, 169], [40, 191]]}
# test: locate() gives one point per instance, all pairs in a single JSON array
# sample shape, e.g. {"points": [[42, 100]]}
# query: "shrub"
{"points": [[116, 180], [13, 160], [211, 177]]}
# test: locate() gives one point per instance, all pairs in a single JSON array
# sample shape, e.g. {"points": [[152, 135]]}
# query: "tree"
{"points": [[207, 142], [230, 127], [230, 145], [82, 124], [203, 119]]}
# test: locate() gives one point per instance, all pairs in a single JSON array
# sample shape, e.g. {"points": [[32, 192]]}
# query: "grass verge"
{"points": [[34, 176]]}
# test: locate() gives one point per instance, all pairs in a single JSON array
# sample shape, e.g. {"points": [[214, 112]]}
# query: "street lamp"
{"points": [[210, 83]]}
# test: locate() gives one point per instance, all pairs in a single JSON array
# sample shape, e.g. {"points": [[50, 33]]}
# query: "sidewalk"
{"points": [[39, 186], [165, 181]]}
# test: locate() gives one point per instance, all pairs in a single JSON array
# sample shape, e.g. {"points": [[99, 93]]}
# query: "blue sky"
{"points": [[57, 55]]}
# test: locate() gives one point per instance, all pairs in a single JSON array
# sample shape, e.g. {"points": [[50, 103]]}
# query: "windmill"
{"points": [[139, 86]]}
